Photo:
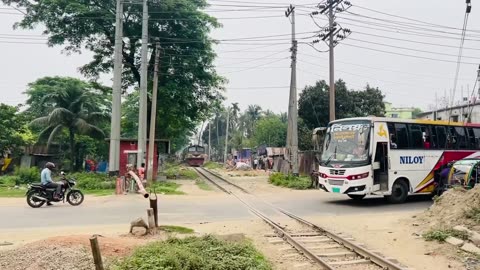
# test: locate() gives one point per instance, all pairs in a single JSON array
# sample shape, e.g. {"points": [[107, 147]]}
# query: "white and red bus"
{"points": [[391, 157]]}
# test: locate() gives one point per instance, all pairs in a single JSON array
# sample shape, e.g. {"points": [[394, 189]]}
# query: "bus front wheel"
{"points": [[356, 197], [399, 192]]}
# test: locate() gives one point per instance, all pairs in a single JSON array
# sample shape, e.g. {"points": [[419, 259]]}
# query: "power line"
{"points": [[415, 41], [422, 75], [407, 55], [406, 18], [410, 49], [257, 66]]}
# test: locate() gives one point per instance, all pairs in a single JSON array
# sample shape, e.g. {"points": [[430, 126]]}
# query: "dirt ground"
{"points": [[396, 235]]}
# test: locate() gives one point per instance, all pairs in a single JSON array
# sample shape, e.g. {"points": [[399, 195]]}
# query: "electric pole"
{"points": [[142, 115], [292, 131], [114, 153], [331, 47], [153, 116], [209, 140], [226, 137], [334, 33]]}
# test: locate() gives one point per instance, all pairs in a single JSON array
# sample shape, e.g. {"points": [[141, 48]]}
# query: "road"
{"points": [[188, 209]]}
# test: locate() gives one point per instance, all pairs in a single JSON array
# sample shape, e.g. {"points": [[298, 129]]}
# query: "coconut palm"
{"points": [[75, 107]]}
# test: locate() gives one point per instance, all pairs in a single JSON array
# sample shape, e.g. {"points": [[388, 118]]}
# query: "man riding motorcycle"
{"points": [[46, 180]]}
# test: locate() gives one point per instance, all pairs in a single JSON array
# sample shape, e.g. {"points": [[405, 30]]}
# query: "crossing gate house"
{"points": [[129, 152]]}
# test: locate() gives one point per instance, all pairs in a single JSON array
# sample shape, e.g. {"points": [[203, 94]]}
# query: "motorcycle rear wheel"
{"points": [[33, 202], [75, 197]]}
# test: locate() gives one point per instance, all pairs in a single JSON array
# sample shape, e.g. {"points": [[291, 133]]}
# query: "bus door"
{"points": [[380, 165], [381, 159]]}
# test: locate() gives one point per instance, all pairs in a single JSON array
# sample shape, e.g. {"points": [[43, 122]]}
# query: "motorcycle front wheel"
{"points": [[34, 202], [75, 197]]}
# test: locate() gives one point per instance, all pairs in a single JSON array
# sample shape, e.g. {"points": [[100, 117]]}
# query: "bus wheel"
{"points": [[399, 192], [356, 197]]}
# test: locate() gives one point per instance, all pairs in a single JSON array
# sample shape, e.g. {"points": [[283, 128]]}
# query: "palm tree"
{"points": [[253, 114], [75, 107]]}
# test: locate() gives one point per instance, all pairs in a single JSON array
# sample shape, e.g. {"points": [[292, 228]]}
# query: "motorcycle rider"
{"points": [[46, 179]]}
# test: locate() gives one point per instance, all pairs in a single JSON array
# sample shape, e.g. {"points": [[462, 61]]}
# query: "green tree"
{"points": [[416, 112], [188, 82], [271, 131], [313, 103], [13, 133], [70, 105]]}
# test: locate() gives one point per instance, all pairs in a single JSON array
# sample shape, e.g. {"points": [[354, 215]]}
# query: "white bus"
{"points": [[391, 157]]}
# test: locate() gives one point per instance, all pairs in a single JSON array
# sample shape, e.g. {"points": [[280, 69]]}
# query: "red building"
{"points": [[128, 154]]}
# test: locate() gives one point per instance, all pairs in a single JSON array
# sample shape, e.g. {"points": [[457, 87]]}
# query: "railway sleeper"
{"points": [[340, 263], [337, 254]]}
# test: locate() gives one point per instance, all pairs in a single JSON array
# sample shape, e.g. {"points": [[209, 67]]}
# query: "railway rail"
{"points": [[327, 249]]}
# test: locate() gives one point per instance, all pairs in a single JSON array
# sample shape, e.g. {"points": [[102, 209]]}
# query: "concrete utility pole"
{"points": [[209, 140], [226, 137], [331, 46], [292, 131], [334, 33], [153, 116], [114, 155], [142, 115]]}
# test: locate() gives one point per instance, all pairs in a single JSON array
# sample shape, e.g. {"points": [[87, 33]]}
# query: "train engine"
{"points": [[195, 155]]}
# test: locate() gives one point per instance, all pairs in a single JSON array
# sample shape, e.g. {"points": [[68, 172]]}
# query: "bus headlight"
{"points": [[358, 176]]}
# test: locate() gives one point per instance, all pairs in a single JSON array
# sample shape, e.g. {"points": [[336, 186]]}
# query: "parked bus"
{"points": [[391, 157]]}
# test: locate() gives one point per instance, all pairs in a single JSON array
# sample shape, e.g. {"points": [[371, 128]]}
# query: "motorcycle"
{"points": [[38, 195]]}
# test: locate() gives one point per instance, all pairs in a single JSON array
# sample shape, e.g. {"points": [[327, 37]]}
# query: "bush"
{"points": [[94, 181], [442, 235], [27, 175], [194, 253], [9, 181], [290, 181]]}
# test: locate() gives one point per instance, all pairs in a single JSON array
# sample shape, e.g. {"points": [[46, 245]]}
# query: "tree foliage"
{"points": [[67, 105], [188, 82], [313, 103], [12, 125], [270, 131]]}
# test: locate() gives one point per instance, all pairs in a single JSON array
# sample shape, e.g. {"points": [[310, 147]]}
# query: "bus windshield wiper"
{"points": [[330, 157]]}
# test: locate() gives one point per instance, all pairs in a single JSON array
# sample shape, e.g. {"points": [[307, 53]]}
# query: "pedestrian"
{"points": [[255, 163], [141, 172]]}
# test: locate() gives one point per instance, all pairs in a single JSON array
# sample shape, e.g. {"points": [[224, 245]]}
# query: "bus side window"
{"points": [[471, 139], [441, 137], [452, 140], [433, 140], [461, 137], [476, 132], [402, 136], [416, 137]]}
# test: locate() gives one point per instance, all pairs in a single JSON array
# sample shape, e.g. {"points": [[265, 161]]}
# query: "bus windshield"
{"points": [[346, 142]]}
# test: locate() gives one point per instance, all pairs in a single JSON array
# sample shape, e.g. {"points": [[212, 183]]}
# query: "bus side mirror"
{"points": [[376, 165]]}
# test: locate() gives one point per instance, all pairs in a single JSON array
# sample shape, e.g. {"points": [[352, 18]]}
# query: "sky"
{"points": [[411, 61]]}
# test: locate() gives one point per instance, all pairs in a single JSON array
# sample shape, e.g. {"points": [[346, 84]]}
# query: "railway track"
{"points": [[327, 249]]}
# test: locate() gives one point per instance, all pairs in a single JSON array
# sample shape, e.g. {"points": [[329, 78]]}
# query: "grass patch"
{"points": [[180, 172], [176, 229], [212, 165], [194, 253], [290, 181], [100, 192], [11, 192], [473, 214], [442, 235], [203, 185], [167, 188]]}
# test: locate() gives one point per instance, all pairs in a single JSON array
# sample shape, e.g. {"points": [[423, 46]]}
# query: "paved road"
{"points": [[185, 209]]}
